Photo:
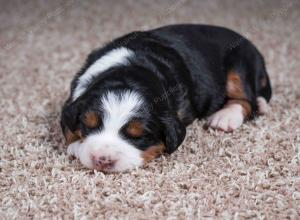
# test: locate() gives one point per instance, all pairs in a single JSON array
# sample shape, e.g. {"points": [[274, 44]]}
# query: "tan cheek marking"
{"points": [[235, 92], [135, 129], [72, 137], [153, 152], [79, 134], [91, 119]]}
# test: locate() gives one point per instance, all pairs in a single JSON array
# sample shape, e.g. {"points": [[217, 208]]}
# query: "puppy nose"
{"points": [[103, 163]]}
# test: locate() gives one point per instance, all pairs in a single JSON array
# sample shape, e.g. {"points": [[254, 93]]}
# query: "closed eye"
{"points": [[134, 129], [91, 119]]}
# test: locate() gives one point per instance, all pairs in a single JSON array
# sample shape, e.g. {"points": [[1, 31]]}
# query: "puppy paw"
{"points": [[262, 105], [227, 119]]}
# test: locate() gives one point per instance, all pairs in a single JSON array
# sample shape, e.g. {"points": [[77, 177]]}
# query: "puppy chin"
{"points": [[123, 155]]}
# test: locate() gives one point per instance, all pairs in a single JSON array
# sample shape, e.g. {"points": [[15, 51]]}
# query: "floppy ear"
{"points": [[174, 133], [69, 122]]}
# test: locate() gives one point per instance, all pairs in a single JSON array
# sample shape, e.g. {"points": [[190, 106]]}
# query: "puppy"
{"points": [[134, 97]]}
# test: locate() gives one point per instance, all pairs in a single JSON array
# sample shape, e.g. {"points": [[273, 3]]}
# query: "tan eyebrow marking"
{"points": [[91, 119], [135, 128]]}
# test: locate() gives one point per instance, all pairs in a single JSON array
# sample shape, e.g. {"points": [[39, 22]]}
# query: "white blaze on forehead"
{"points": [[119, 108], [118, 56]]}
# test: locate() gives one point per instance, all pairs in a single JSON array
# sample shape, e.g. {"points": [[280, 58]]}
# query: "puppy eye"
{"points": [[134, 129], [91, 119]]}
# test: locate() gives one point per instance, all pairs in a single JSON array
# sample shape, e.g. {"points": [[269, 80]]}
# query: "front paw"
{"points": [[227, 119]]}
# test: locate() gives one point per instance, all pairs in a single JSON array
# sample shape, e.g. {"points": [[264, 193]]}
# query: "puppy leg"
{"points": [[236, 109]]}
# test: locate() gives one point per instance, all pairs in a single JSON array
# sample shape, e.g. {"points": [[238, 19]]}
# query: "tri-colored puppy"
{"points": [[134, 97]]}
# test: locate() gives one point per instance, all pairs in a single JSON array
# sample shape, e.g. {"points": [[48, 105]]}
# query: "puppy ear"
{"points": [[174, 133], [70, 121]]}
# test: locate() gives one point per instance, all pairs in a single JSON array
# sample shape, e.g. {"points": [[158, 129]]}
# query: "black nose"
{"points": [[103, 163]]}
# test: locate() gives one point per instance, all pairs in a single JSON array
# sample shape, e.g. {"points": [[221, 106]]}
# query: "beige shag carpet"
{"points": [[251, 173]]}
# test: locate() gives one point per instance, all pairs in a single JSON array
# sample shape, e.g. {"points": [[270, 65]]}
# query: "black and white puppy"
{"points": [[134, 97]]}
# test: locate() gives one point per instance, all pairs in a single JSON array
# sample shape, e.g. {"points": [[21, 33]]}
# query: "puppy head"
{"points": [[119, 130]]}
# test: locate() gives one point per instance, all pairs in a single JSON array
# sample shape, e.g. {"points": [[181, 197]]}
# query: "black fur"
{"points": [[181, 72]]}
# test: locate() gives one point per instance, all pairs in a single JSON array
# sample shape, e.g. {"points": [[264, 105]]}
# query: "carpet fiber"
{"points": [[251, 173]]}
